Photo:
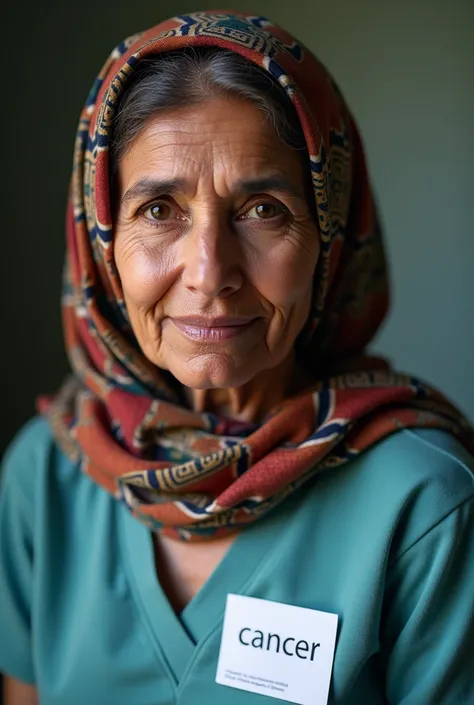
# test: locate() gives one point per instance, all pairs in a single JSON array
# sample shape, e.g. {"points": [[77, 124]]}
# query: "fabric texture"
{"points": [[193, 474], [84, 618]]}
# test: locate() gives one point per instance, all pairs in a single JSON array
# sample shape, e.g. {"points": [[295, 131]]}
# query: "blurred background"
{"points": [[406, 69]]}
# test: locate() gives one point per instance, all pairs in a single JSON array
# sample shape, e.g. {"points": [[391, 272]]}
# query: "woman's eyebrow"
{"points": [[148, 188], [267, 183]]}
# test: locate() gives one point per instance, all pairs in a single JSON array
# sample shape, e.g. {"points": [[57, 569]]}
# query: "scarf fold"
{"points": [[192, 475]]}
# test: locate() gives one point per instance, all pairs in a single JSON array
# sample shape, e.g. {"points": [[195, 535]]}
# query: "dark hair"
{"points": [[192, 76]]}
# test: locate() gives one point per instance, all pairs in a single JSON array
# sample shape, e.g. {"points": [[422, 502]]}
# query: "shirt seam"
{"points": [[433, 447], [443, 518]]}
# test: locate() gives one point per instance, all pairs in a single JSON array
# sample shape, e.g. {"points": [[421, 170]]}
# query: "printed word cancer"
{"points": [[272, 642]]}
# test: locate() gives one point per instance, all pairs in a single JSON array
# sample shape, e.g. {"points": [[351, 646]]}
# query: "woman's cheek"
{"points": [[146, 275], [285, 275]]}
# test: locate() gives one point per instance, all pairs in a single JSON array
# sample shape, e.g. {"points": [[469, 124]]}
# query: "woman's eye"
{"points": [[158, 211], [265, 211]]}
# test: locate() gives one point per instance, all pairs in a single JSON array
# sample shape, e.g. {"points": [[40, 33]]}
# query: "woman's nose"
{"points": [[211, 261]]}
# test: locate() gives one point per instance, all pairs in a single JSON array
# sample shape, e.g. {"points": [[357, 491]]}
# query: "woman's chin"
{"points": [[213, 371]]}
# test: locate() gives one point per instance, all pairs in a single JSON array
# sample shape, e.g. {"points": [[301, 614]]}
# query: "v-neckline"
{"points": [[176, 637]]}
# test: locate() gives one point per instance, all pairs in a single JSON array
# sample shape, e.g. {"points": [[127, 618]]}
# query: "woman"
{"points": [[223, 434]]}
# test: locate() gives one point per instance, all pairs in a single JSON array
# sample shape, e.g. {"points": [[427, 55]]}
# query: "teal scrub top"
{"points": [[386, 542]]}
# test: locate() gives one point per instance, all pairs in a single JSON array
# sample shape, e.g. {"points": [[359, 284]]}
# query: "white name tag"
{"points": [[278, 650]]}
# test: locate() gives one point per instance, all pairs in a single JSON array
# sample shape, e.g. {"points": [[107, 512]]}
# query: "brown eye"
{"points": [[159, 211], [265, 211]]}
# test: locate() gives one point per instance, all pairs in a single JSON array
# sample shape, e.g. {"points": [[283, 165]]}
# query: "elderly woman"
{"points": [[228, 501]]}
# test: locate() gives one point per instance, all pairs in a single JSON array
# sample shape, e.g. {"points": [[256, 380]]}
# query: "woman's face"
{"points": [[215, 243]]}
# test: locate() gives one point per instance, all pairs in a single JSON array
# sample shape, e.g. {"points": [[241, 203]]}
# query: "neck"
{"points": [[253, 400]]}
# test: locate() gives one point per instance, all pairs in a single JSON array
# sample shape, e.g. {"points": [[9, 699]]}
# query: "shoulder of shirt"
{"points": [[425, 457], [418, 477], [32, 455]]}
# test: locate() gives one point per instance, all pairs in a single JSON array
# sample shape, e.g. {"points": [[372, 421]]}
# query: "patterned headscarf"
{"points": [[189, 474]]}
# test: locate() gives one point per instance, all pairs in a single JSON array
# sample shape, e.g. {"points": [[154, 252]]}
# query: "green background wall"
{"points": [[406, 68]]}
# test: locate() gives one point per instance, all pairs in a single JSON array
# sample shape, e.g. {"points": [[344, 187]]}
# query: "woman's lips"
{"points": [[213, 329]]}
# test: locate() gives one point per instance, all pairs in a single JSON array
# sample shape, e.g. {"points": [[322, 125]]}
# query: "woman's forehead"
{"points": [[224, 140]]}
